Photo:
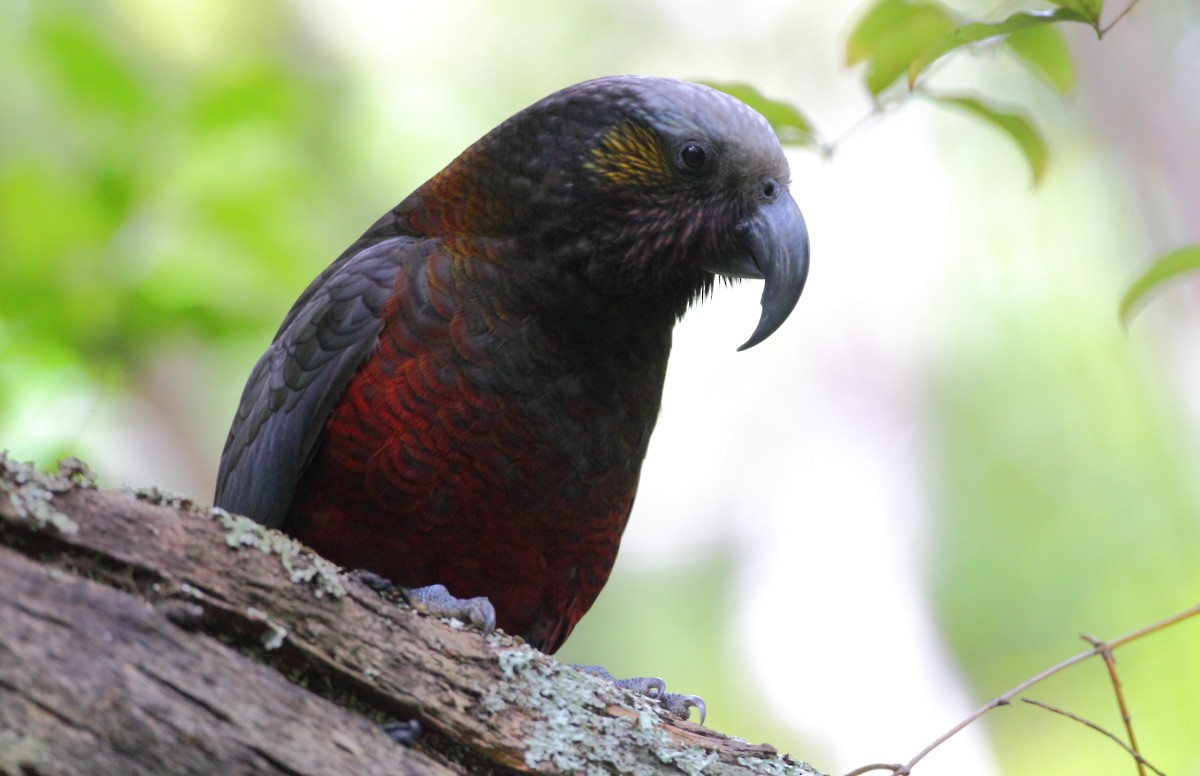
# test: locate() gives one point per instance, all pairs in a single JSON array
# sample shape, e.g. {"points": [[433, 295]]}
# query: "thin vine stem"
{"points": [[1100, 33], [1007, 698], [1142, 762]]}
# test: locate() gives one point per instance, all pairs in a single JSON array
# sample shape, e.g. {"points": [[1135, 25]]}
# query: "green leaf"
{"points": [[974, 32], [792, 126], [1027, 138], [91, 70], [891, 35], [1164, 268], [1045, 50], [1089, 9]]}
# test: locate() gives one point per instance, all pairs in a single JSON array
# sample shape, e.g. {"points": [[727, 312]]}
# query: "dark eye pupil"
{"points": [[692, 155]]}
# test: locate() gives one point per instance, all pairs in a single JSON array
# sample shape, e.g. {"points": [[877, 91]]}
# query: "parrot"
{"points": [[462, 401]]}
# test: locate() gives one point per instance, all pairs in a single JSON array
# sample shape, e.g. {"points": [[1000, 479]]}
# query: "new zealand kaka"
{"points": [[466, 394]]}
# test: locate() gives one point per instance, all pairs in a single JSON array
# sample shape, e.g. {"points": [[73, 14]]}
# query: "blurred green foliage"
{"points": [[891, 35], [1017, 127], [148, 193], [1044, 49], [1067, 501], [1162, 270]]}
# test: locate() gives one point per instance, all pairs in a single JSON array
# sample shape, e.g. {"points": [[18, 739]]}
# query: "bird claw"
{"points": [[379, 584], [650, 686], [406, 732], [679, 706], [435, 600]]}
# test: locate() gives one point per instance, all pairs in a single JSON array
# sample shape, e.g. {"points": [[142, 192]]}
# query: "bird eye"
{"points": [[692, 155]]}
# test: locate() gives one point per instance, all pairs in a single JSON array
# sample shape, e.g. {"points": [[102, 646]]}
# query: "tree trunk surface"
{"points": [[143, 634]]}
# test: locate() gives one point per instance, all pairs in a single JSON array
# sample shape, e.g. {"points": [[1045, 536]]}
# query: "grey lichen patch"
{"points": [[162, 497], [777, 767], [273, 634], [513, 660], [191, 591], [302, 565], [572, 732], [494, 703], [22, 753], [30, 493], [76, 472], [273, 637]]}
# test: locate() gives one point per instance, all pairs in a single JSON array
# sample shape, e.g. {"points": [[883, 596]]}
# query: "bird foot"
{"points": [[406, 732], [655, 689], [435, 600]]}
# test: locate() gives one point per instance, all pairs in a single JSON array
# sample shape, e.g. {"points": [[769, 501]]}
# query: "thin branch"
{"points": [[826, 149], [895, 100], [860, 770], [1006, 698], [1142, 762], [1111, 663], [1104, 31], [1153, 627]]}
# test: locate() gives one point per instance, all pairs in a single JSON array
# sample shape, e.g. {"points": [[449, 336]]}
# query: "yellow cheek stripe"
{"points": [[631, 154]]}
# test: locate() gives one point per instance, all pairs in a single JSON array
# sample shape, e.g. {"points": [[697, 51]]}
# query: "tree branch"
{"points": [[140, 633]]}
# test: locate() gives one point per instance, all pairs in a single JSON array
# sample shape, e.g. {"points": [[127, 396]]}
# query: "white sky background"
{"points": [[809, 454]]}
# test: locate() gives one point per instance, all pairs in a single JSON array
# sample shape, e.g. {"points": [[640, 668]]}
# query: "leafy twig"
{"points": [[827, 149]]}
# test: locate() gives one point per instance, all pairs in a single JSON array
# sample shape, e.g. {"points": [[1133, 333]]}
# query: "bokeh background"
{"points": [[949, 463]]}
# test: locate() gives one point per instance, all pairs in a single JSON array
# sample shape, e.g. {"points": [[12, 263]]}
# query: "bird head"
{"points": [[645, 190]]}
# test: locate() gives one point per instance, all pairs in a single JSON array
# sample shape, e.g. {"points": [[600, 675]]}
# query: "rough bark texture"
{"points": [[141, 634]]}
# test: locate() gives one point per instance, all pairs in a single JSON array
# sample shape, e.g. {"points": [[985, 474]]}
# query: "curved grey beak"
{"points": [[776, 240]]}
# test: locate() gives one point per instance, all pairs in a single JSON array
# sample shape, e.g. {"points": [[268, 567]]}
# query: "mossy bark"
{"points": [[143, 634]]}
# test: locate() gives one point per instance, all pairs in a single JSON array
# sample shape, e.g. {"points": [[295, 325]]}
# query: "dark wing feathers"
{"points": [[295, 385]]}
